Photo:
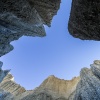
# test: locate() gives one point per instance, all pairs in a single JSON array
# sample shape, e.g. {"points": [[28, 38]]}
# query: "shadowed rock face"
{"points": [[3, 73], [24, 18], [84, 21], [21, 18], [46, 9]]}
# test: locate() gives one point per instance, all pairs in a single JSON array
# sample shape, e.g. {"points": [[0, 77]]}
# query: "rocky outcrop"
{"points": [[9, 85], [85, 87], [54, 88], [24, 18], [3, 73], [21, 18], [84, 21], [62, 87], [89, 86], [51, 89]]}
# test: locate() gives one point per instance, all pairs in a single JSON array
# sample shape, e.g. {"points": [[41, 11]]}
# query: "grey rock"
{"points": [[84, 21], [51, 89], [3, 73], [85, 87], [24, 18], [5, 95], [21, 18], [89, 86]]}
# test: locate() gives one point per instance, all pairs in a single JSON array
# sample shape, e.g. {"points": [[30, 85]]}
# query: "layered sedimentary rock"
{"points": [[85, 87], [60, 86], [51, 89], [55, 89], [9, 85], [24, 18], [84, 21]]}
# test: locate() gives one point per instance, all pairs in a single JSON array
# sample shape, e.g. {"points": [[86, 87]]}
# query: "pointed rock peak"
{"points": [[8, 78]]}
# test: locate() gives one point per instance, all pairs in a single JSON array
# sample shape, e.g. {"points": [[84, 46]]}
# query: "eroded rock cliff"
{"points": [[51, 89], [21, 18], [85, 87], [89, 86], [24, 18], [84, 21]]}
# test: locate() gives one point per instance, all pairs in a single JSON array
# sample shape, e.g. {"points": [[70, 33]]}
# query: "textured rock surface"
{"points": [[85, 87], [51, 89], [3, 73], [84, 21], [21, 18], [61, 87], [9, 85], [89, 86], [24, 17]]}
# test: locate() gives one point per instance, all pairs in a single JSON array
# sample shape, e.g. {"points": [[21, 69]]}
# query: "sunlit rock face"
{"points": [[84, 21], [55, 88], [51, 89], [85, 87], [60, 86], [24, 18], [89, 86]]}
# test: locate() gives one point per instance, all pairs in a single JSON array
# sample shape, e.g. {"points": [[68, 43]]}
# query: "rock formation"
{"points": [[51, 89], [3, 73], [85, 87], [24, 18], [89, 86], [84, 21], [21, 18]]}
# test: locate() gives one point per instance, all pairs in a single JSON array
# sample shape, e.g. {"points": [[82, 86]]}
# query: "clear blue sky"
{"points": [[59, 54]]}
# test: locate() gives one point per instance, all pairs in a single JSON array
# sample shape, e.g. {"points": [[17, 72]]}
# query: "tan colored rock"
{"points": [[52, 88], [60, 86], [9, 85]]}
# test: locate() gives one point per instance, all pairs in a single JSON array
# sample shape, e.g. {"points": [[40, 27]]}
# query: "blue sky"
{"points": [[59, 54]]}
